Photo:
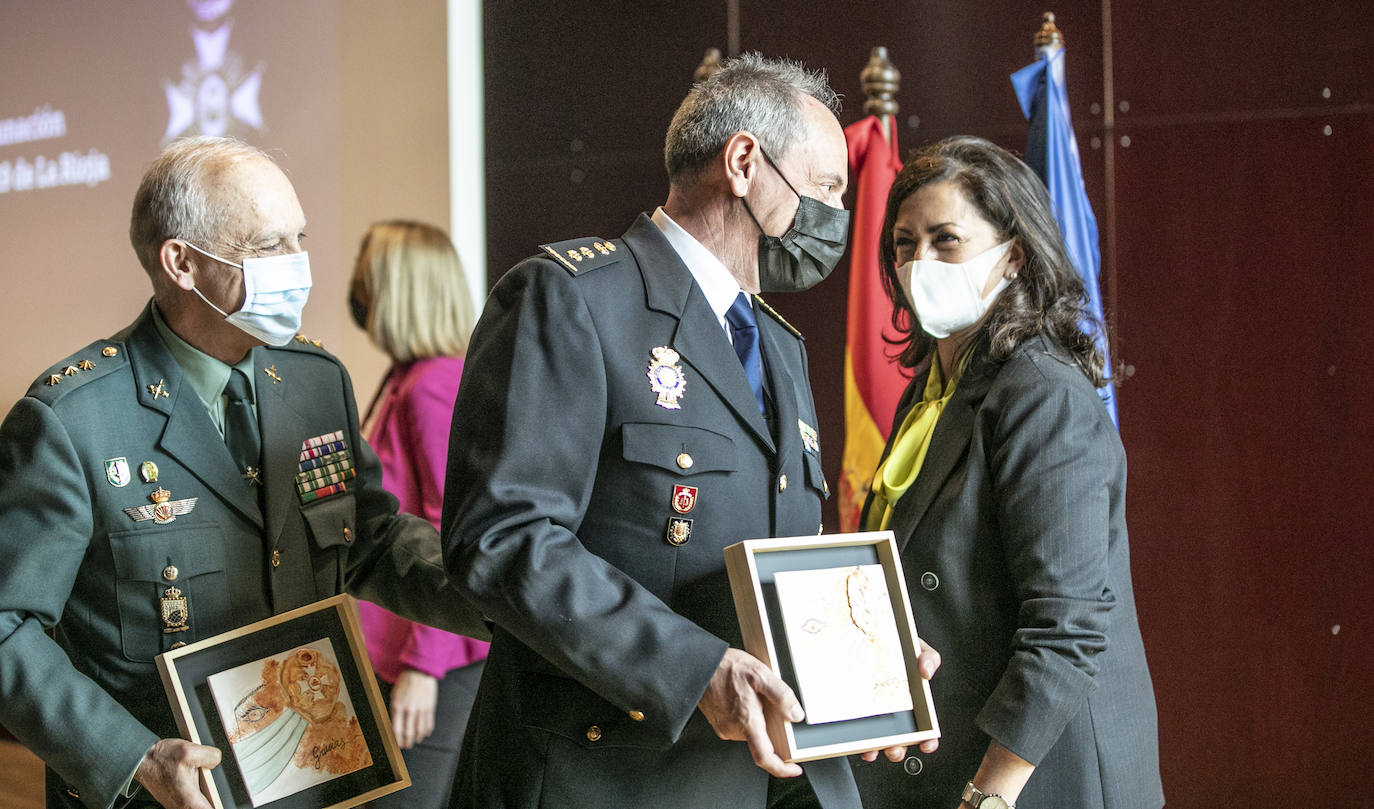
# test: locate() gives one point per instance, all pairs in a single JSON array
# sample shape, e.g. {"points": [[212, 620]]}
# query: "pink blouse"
{"points": [[409, 431]]}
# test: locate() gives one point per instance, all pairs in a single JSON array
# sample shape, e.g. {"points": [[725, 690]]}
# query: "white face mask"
{"points": [[275, 289], [949, 297]]}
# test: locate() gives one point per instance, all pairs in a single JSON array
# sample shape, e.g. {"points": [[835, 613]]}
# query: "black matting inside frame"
{"points": [[194, 671]]}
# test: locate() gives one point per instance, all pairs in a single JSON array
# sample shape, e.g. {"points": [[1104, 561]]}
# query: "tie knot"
{"points": [[741, 314], [238, 389]]}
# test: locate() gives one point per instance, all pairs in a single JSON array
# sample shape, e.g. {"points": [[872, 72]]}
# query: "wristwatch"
{"points": [[975, 797]]}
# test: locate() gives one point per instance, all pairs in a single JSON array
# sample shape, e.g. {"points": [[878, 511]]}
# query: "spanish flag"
{"points": [[873, 382]]}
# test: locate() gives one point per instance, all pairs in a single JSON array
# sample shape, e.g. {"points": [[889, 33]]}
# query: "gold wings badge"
{"points": [[163, 509]]}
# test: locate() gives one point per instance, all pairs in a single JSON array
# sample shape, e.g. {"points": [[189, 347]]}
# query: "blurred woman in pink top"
{"points": [[410, 296]]}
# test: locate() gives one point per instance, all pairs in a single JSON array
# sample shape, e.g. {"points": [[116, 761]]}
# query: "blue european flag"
{"points": [[1052, 152]]}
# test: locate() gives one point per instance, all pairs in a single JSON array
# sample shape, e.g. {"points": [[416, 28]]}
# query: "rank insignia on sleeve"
{"points": [[666, 377], [163, 509], [679, 531], [810, 439], [175, 611], [117, 472], [684, 498]]}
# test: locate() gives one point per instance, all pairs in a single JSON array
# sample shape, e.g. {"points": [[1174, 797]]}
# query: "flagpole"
{"points": [[881, 80]]}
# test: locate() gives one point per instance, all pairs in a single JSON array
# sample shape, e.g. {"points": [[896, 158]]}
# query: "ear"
{"points": [[1016, 259], [175, 259], [741, 156]]}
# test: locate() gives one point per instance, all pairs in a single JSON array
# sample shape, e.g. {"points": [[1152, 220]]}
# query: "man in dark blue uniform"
{"points": [[629, 408], [194, 473]]}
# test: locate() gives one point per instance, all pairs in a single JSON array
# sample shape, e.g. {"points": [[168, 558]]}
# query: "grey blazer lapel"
{"points": [[948, 446], [190, 436], [699, 339]]}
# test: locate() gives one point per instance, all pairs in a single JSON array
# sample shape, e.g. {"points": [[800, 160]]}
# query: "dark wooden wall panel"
{"points": [[1245, 248]]}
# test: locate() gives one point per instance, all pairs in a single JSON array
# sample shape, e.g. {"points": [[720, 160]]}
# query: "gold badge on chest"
{"points": [[666, 377], [176, 613]]}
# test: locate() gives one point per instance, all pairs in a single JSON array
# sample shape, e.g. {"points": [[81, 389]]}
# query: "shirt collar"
{"points": [[716, 282], [207, 375]]}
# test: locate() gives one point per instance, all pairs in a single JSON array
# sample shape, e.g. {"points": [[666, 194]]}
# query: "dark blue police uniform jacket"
{"points": [[559, 508]]}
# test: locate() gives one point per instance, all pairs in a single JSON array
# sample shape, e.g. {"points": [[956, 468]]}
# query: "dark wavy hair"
{"points": [[1046, 298]]}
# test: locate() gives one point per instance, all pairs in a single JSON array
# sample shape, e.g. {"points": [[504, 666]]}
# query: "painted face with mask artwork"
{"points": [[951, 262]]}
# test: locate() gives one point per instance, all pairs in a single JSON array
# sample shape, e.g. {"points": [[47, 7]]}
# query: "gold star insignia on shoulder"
{"points": [[271, 371], [70, 370], [52, 380], [301, 338], [159, 389], [85, 365]]}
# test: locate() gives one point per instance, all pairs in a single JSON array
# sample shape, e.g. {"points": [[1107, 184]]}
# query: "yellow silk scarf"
{"points": [[896, 474]]}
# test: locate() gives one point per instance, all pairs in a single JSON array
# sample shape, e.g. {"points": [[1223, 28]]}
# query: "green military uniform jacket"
{"points": [[85, 553]]}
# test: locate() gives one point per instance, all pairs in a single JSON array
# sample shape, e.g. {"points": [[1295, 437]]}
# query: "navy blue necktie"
{"points": [[744, 330]]}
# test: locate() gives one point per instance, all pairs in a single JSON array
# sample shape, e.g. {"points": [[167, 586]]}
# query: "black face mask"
{"points": [[359, 312], [804, 255]]}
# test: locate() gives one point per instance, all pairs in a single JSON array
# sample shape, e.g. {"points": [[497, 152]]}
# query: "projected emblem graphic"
{"points": [[215, 94]]}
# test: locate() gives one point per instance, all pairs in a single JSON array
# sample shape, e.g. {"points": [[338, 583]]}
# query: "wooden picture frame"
{"points": [[292, 704], [753, 565]]}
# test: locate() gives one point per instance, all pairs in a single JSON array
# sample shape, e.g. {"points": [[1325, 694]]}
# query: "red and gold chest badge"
{"points": [[684, 498]]}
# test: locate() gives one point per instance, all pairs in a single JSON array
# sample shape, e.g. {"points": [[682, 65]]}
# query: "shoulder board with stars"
{"points": [[92, 362], [773, 313], [581, 255], [303, 344]]}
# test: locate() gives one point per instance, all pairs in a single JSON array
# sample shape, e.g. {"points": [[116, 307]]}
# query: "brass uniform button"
{"points": [[684, 461], [348, 534], [276, 558], [594, 734], [170, 573], [929, 580], [109, 351], [637, 716], [782, 483]]}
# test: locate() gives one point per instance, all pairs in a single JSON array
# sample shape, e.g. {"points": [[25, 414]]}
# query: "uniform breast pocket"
{"points": [[332, 523], [676, 448], [171, 587]]}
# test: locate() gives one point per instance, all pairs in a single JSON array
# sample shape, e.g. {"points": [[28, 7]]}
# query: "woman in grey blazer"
{"points": [[1004, 482]]}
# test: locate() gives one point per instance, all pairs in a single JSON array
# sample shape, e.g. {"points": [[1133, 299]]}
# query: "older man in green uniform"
{"points": [[200, 470]]}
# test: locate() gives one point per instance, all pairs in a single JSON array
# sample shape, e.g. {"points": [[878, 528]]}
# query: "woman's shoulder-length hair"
{"points": [[417, 296], [1046, 298]]}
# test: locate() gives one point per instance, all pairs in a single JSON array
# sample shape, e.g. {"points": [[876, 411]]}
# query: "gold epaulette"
{"points": [[581, 255]]}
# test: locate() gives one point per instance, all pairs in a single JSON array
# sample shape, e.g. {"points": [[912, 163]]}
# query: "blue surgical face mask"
{"points": [[275, 290]]}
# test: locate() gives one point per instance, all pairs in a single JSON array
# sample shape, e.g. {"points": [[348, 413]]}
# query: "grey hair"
{"points": [[748, 92], [171, 201]]}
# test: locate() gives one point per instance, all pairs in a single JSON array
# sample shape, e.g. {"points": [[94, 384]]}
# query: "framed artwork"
{"points": [[292, 704], [831, 616]]}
